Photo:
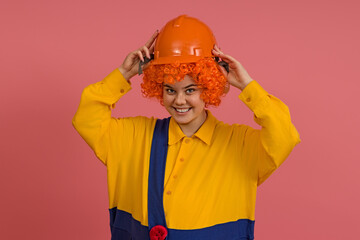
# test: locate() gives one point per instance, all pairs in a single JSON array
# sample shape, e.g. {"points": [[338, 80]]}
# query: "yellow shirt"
{"points": [[210, 178]]}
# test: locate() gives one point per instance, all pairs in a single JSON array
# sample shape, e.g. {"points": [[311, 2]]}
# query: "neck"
{"points": [[192, 127]]}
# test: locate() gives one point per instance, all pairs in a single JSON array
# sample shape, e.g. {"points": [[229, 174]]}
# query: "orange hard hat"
{"points": [[183, 39]]}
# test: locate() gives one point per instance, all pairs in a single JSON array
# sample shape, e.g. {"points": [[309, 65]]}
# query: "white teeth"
{"points": [[182, 110]]}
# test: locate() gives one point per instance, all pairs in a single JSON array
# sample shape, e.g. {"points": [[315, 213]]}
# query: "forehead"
{"points": [[183, 83]]}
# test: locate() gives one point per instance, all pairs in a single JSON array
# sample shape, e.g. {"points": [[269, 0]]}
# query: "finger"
{"points": [[151, 49], [139, 53], [146, 50], [217, 48], [152, 39], [152, 46], [223, 71], [226, 58], [132, 57], [218, 54]]}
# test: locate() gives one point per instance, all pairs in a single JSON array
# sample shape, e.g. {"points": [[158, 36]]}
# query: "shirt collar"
{"points": [[204, 133]]}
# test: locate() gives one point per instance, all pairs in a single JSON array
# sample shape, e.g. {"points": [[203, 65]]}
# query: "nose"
{"points": [[180, 99]]}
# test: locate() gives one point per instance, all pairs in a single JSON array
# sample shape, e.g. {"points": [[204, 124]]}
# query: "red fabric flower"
{"points": [[158, 232]]}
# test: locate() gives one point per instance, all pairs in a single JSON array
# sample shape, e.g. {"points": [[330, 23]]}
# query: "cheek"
{"points": [[166, 100], [198, 102]]}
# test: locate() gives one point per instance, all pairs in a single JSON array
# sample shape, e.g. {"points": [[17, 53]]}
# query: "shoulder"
{"points": [[234, 128], [226, 130], [138, 123]]}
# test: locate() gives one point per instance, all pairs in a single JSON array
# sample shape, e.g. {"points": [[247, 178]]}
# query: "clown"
{"points": [[188, 176]]}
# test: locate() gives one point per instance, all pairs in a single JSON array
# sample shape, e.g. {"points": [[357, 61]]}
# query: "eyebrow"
{"points": [[191, 85]]}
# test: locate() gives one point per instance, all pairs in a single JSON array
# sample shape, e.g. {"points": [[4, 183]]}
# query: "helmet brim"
{"points": [[178, 59]]}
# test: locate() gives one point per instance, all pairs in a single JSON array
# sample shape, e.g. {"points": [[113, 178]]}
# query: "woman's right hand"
{"points": [[130, 66]]}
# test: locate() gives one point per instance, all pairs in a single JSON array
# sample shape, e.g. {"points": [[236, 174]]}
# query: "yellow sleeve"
{"points": [[93, 119], [271, 145]]}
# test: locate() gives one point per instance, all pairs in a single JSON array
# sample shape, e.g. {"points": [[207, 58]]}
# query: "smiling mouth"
{"points": [[182, 110]]}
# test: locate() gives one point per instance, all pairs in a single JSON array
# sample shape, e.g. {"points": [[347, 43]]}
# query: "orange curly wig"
{"points": [[206, 73]]}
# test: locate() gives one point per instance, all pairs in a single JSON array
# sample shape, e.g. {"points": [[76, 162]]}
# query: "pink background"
{"points": [[304, 52]]}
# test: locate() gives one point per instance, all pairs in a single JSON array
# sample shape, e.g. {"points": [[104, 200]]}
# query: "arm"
{"points": [[93, 118], [270, 146]]}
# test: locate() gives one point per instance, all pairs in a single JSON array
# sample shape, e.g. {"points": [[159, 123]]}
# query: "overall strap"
{"points": [[159, 148]]}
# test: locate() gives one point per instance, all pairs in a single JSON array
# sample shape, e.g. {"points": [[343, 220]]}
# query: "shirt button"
{"points": [[187, 140], [168, 192], [122, 90], [175, 176], [248, 99], [182, 159]]}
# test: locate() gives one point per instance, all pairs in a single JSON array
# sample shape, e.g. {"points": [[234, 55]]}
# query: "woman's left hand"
{"points": [[237, 76]]}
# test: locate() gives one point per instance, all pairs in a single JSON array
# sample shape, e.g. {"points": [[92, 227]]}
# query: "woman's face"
{"points": [[182, 100]]}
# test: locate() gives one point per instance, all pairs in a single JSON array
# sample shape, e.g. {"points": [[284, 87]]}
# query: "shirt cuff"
{"points": [[254, 96], [116, 83]]}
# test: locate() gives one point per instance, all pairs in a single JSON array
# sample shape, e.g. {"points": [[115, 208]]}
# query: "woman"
{"points": [[189, 176]]}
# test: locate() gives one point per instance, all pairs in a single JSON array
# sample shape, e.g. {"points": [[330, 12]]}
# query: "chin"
{"points": [[181, 120]]}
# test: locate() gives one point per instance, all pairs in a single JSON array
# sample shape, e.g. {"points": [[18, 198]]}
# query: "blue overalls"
{"points": [[124, 227]]}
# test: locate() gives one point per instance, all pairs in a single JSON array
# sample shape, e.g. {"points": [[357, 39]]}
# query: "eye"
{"points": [[190, 90], [170, 91]]}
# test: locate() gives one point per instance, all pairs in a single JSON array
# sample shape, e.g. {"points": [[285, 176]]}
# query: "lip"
{"points": [[182, 113]]}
